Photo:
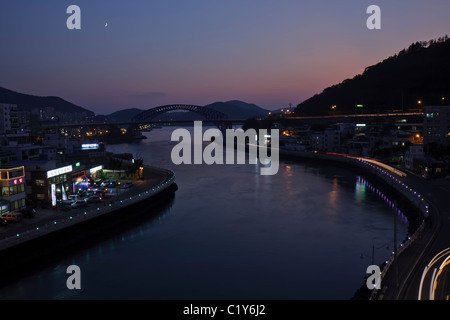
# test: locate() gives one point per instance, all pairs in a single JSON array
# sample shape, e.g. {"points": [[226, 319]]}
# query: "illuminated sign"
{"points": [[77, 164], [361, 125], [94, 170], [18, 180], [53, 194], [64, 196], [92, 146], [57, 172], [360, 106]]}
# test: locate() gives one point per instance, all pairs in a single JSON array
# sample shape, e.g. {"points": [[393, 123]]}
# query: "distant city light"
{"points": [[92, 146]]}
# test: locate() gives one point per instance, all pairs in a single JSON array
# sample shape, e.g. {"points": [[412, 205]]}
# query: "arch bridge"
{"points": [[218, 118]]}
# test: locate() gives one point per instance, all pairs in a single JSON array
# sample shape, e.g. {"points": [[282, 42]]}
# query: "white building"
{"points": [[414, 152], [332, 140], [436, 126], [8, 118], [317, 141]]}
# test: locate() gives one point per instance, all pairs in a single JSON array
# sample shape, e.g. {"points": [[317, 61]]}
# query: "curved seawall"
{"points": [[391, 180]]}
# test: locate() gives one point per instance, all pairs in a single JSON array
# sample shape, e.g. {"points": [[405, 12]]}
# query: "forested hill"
{"points": [[27, 102], [418, 73]]}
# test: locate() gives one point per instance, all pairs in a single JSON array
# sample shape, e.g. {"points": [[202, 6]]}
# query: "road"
{"points": [[413, 262]]}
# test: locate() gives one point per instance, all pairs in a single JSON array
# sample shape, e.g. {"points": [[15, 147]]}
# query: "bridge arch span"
{"points": [[206, 113]]}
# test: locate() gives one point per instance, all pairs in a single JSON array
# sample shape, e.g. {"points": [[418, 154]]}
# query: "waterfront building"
{"points": [[48, 182], [414, 152], [36, 183], [317, 141], [359, 145], [12, 183], [332, 140], [436, 125]]}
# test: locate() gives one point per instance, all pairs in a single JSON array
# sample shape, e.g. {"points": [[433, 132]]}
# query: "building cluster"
{"points": [[43, 168], [419, 142]]}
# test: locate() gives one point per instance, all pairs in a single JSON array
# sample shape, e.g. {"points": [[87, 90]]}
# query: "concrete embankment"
{"points": [[54, 236], [393, 184]]}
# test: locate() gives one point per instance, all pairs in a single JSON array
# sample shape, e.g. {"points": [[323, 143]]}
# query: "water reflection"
{"points": [[360, 190], [36, 284], [231, 233], [333, 196]]}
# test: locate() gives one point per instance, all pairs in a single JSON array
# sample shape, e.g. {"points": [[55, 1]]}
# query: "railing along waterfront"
{"points": [[391, 177], [85, 215]]}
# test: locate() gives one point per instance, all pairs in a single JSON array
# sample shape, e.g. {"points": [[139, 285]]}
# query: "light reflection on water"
{"points": [[231, 233]]}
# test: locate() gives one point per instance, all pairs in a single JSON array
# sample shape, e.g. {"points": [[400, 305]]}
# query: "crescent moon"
{"points": [[106, 24]]}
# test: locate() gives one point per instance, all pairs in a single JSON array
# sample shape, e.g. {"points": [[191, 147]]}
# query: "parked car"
{"points": [[105, 183], [81, 193], [94, 199], [90, 193], [100, 194], [127, 185], [78, 204], [28, 212], [3, 222], [73, 197], [14, 216]]}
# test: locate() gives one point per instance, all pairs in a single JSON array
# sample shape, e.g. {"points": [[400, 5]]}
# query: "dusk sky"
{"points": [[152, 53]]}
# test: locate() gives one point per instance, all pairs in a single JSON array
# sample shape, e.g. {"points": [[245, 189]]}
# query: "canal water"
{"points": [[305, 233]]}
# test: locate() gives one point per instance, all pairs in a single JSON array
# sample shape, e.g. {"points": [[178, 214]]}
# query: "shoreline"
{"points": [[391, 183], [24, 251]]}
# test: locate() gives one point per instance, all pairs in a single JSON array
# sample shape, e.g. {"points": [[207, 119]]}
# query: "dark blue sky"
{"points": [[270, 53]]}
